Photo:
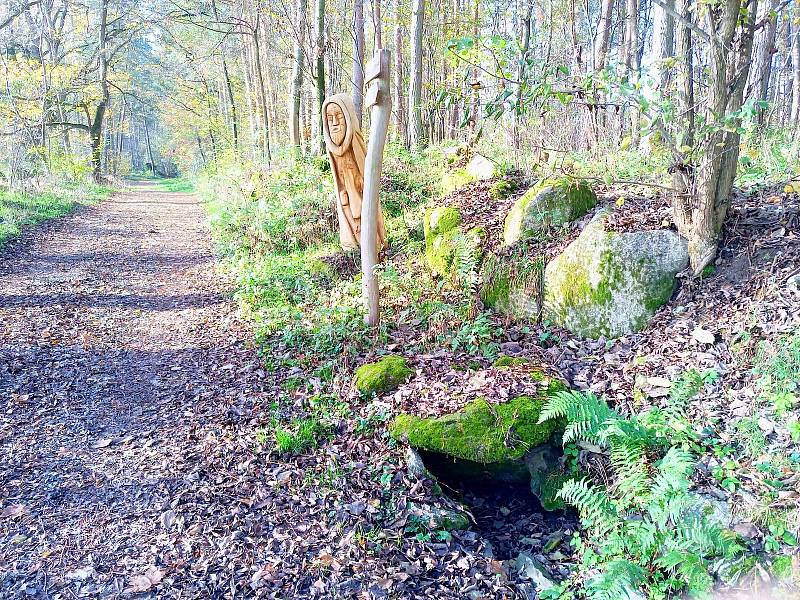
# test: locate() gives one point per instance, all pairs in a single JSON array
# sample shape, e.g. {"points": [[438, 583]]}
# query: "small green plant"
{"points": [[299, 436], [645, 531], [476, 337], [750, 436]]}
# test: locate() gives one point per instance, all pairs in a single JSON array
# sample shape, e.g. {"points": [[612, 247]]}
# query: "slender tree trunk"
{"points": [[603, 35], [297, 77], [632, 62], [377, 23], [415, 133], [320, 73], [229, 88], [399, 103], [795, 114], [358, 57], [96, 126]]}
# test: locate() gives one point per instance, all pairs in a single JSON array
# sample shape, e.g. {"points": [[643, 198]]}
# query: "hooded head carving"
{"points": [[347, 151]]}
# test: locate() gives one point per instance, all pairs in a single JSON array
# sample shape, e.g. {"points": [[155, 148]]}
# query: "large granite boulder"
{"points": [[609, 284], [552, 202]]}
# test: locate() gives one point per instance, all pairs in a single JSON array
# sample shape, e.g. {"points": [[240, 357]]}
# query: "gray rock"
{"points": [[610, 284], [416, 466], [481, 168], [554, 202], [530, 568]]}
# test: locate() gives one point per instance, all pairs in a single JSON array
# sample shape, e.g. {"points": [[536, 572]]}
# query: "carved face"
{"points": [[336, 124]]}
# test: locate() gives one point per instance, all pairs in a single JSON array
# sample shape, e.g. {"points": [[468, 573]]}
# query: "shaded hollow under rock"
{"points": [[507, 514]]}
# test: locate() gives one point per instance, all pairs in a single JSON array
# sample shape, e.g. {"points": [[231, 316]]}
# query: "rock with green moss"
{"points": [[444, 237], [427, 519], [551, 202], [513, 284], [610, 284], [783, 568], [382, 376], [454, 179], [481, 432]]}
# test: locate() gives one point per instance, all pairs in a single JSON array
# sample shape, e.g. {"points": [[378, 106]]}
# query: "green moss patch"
{"points": [[551, 202], [481, 432], [510, 361], [513, 285], [382, 376]]}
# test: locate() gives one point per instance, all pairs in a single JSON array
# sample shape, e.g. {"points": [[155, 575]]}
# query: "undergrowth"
{"points": [[21, 210]]}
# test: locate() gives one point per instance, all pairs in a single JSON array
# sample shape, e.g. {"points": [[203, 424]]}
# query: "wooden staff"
{"points": [[378, 98]]}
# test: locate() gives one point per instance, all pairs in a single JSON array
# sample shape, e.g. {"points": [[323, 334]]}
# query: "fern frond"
{"points": [[593, 504], [618, 579], [629, 460], [584, 412]]}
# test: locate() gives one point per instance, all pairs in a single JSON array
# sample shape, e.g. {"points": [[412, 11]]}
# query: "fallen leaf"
{"points": [[704, 336], [13, 511], [102, 443]]}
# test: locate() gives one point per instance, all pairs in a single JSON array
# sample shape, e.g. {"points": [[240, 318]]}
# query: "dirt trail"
{"points": [[122, 367]]}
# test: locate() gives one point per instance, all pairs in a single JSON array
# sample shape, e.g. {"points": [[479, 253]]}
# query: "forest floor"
{"points": [[135, 399], [128, 467], [121, 365]]}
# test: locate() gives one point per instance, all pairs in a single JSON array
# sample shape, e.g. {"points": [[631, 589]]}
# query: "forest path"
{"points": [[123, 367]]}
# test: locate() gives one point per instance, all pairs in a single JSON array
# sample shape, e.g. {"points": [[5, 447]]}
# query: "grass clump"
{"points": [[19, 211], [299, 436]]}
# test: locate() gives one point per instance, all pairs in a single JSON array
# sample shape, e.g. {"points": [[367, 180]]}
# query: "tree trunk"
{"points": [[603, 38], [399, 104], [297, 77], [632, 62], [415, 133], [762, 68], [96, 126], [358, 57], [795, 115], [699, 214], [377, 23], [320, 73], [229, 88]]}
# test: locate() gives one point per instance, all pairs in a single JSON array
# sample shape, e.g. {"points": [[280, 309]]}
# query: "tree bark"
{"points": [[358, 58], [415, 132], [699, 214], [96, 125], [399, 104], [229, 89], [320, 73], [603, 38], [297, 77]]}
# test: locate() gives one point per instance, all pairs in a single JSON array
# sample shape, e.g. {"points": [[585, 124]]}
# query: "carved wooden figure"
{"points": [[347, 152]]}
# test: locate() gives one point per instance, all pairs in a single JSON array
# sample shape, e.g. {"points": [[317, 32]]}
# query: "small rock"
{"points": [[766, 425], [510, 348], [530, 568], [747, 530], [416, 466]]}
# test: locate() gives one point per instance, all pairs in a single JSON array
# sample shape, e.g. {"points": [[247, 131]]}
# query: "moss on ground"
{"points": [[382, 376], [510, 361], [482, 432]]}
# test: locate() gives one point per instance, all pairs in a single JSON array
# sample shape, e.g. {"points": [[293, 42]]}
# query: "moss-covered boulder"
{"points": [[382, 376], [609, 284], [481, 432], [513, 284], [444, 236], [551, 202]]}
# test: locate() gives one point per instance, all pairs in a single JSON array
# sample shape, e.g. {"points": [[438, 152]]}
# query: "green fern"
{"points": [[593, 504], [644, 531], [584, 412]]}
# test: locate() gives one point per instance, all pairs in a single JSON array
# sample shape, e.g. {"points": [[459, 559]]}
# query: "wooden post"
{"points": [[379, 99]]}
